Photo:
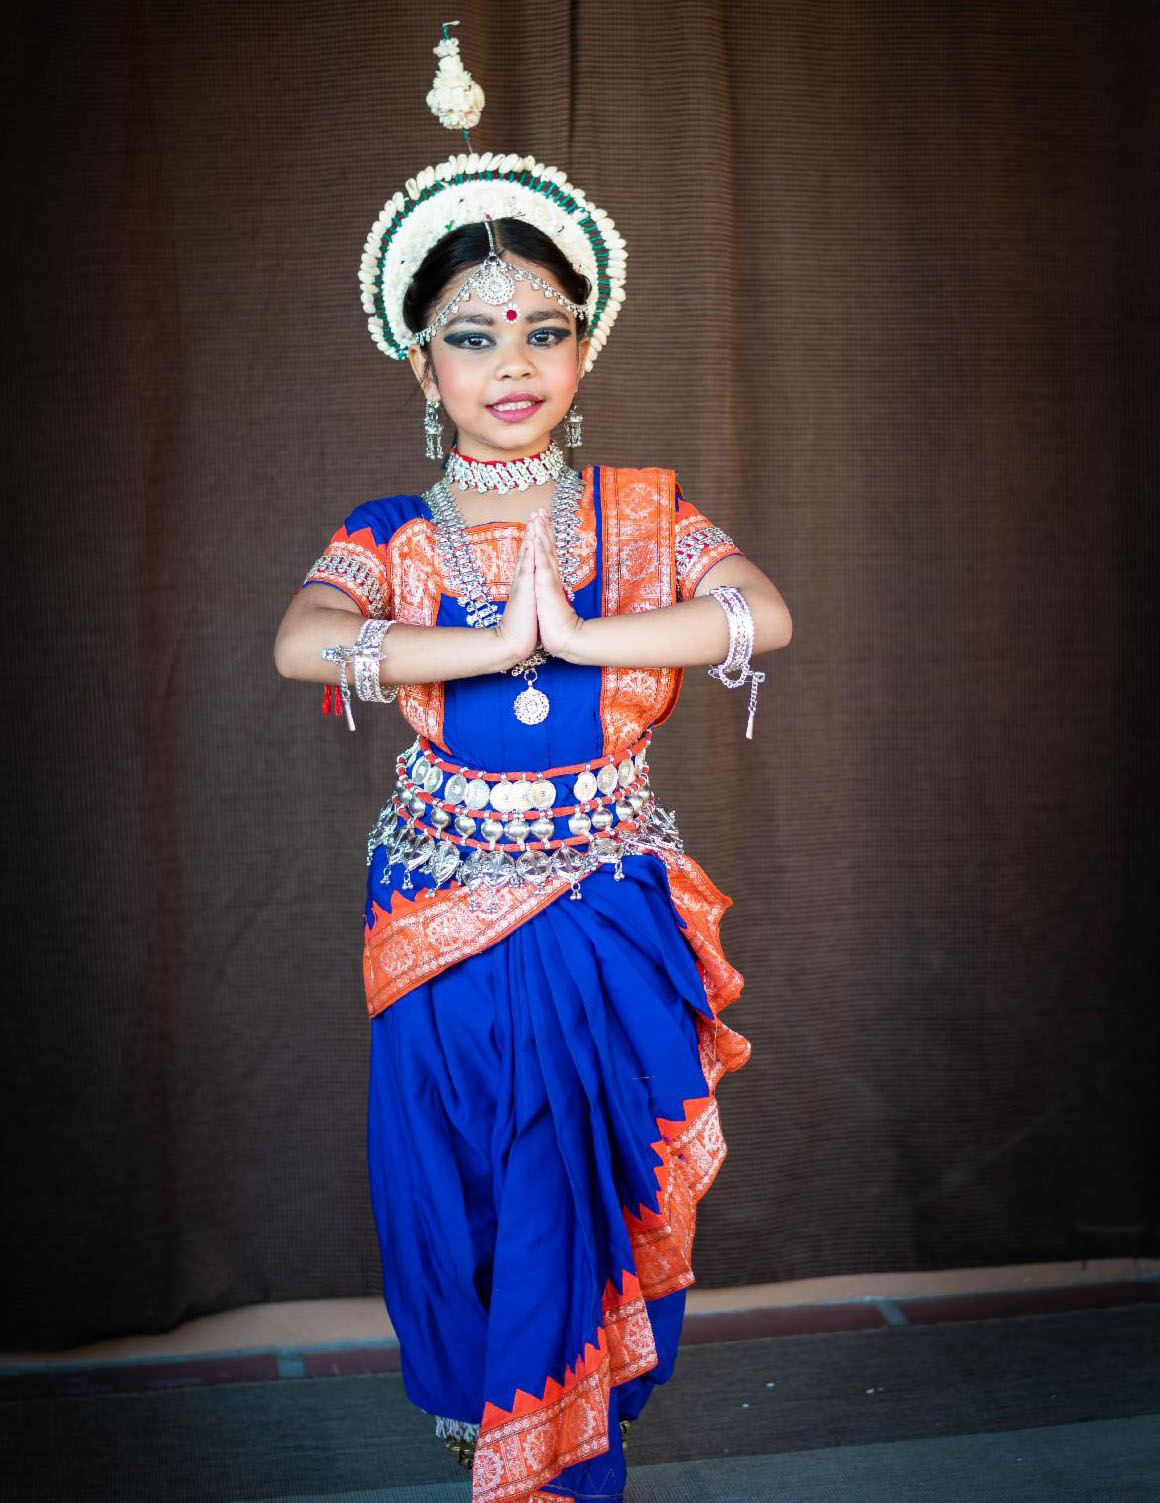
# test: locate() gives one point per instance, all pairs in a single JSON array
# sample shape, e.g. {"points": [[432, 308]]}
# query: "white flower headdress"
{"points": [[470, 188]]}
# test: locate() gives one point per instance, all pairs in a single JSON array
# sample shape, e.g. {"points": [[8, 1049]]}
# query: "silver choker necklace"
{"points": [[463, 573], [509, 474]]}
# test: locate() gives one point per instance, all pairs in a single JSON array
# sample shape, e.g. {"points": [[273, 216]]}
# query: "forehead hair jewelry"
{"points": [[493, 282], [472, 188]]}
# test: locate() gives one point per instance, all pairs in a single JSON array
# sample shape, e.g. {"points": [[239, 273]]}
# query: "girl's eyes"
{"points": [[543, 339]]}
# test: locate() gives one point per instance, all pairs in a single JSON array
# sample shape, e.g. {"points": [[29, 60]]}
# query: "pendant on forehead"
{"points": [[495, 284]]}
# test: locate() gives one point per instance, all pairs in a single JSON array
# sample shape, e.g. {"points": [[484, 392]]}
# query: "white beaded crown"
{"points": [[467, 189]]}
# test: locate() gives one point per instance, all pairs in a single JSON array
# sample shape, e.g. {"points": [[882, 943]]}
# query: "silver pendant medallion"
{"points": [[494, 284], [444, 862], [543, 793], [490, 869], [606, 779], [534, 866], [531, 706], [571, 862], [501, 796], [419, 854], [476, 794]]}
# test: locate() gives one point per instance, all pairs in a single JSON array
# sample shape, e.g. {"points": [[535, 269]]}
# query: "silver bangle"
{"points": [[737, 659], [366, 654], [740, 619], [368, 662]]}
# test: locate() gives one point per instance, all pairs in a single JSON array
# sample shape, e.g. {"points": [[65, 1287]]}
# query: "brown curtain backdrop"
{"points": [[892, 316]]}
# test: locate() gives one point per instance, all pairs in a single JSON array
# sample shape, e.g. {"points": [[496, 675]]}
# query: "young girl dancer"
{"points": [[542, 963]]}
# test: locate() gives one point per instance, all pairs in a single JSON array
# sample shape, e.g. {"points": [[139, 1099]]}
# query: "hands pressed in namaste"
{"points": [[538, 609]]}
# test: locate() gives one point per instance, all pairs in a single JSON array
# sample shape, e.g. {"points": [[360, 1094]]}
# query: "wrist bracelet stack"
{"points": [[740, 619], [367, 655], [368, 661]]}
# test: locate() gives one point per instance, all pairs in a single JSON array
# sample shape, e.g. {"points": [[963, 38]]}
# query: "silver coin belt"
{"points": [[490, 831]]}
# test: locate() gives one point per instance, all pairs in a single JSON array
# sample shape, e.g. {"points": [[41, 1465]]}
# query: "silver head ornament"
{"points": [[493, 281], [471, 188]]}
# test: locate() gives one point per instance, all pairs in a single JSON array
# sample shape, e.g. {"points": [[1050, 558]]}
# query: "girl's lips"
{"points": [[516, 410]]}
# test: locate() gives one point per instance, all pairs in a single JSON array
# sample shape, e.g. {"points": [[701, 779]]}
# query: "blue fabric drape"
{"points": [[513, 1102]]}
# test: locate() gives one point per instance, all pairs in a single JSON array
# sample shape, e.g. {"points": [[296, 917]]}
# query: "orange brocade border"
{"points": [[520, 1449], [417, 938]]}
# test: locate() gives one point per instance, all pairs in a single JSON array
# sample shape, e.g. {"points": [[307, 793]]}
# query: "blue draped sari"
{"points": [[541, 1115]]}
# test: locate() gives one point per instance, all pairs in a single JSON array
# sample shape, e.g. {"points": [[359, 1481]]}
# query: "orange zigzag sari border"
{"points": [[520, 1449]]}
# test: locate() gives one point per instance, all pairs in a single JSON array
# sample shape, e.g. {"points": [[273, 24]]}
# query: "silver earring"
{"points": [[572, 435], [433, 431]]}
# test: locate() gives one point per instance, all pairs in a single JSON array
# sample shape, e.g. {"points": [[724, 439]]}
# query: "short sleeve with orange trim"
{"points": [[699, 546], [355, 560]]}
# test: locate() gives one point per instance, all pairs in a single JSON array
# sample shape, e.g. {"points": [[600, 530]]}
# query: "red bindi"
{"points": [[511, 315]]}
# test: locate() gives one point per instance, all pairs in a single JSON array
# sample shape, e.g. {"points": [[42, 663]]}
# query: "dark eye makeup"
{"points": [[542, 338]]}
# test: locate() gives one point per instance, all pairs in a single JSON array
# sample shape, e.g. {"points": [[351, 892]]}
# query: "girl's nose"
{"points": [[514, 358]]}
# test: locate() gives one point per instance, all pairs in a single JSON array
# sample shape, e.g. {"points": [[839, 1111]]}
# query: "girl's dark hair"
{"points": [[467, 246]]}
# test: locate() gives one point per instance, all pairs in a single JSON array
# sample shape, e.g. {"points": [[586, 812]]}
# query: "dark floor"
{"points": [[1042, 1408]]}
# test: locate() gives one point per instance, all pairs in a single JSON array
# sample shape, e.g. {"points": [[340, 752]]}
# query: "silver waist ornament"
{"points": [[488, 831], [531, 704]]}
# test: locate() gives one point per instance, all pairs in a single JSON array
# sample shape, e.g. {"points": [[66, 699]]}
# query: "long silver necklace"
{"points": [[463, 573]]}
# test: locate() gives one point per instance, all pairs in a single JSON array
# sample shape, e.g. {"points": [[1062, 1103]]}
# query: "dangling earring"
{"points": [[433, 431], [573, 421]]}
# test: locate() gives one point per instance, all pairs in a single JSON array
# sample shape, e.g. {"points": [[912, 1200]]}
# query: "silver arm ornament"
{"points": [[366, 654], [740, 619]]}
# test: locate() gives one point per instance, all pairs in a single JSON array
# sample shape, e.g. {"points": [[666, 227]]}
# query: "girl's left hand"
{"points": [[559, 623]]}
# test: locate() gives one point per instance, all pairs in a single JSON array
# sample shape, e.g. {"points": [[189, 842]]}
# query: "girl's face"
{"points": [[505, 382]]}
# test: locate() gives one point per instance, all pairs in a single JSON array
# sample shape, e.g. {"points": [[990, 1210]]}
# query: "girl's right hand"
{"points": [[519, 628]]}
